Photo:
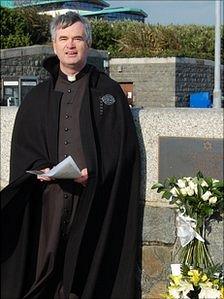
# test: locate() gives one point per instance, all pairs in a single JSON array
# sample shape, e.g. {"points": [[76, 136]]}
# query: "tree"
{"points": [[23, 27]]}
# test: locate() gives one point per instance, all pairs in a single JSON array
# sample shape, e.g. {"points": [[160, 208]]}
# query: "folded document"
{"points": [[66, 169]]}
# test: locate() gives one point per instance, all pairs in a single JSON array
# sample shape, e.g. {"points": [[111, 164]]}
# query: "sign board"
{"points": [[185, 156], [11, 83]]}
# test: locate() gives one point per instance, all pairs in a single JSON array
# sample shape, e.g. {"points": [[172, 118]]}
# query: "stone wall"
{"points": [[27, 61], [157, 82], [24, 61], [194, 75], [157, 221], [153, 79], [164, 82], [159, 239]]}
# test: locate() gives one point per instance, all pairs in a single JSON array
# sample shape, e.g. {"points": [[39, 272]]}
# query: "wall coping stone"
{"points": [[148, 60], [145, 60], [40, 50], [25, 51]]}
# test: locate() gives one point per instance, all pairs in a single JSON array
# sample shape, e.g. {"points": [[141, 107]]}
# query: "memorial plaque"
{"points": [[183, 156]]}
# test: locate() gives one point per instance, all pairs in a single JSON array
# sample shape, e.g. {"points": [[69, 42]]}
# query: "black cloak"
{"points": [[101, 250]]}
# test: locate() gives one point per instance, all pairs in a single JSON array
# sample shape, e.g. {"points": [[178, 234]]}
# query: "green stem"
{"points": [[196, 254]]}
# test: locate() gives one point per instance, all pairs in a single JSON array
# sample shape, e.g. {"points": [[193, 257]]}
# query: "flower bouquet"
{"points": [[197, 199], [196, 284]]}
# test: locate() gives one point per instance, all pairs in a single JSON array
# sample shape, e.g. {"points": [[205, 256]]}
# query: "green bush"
{"points": [[134, 39], [13, 41], [23, 27], [38, 25], [104, 35]]}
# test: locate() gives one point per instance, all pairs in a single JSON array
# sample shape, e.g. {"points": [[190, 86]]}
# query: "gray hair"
{"points": [[68, 19]]}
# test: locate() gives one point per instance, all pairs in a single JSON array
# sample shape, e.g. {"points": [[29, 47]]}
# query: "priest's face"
{"points": [[71, 48]]}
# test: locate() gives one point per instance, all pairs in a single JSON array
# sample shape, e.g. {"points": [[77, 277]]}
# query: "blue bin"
{"points": [[200, 100]]}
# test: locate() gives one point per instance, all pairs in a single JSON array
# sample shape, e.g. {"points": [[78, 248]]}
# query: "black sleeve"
{"points": [[28, 147]]}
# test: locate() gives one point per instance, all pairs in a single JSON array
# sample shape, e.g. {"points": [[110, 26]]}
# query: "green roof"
{"points": [[116, 10], [22, 3]]}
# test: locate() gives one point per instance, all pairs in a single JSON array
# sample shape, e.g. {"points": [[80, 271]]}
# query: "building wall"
{"points": [[27, 61], [157, 82], [194, 75], [153, 79], [24, 61], [157, 221], [164, 82]]}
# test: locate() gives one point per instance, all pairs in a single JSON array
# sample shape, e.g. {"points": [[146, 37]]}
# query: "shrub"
{"points": [[134, 39], [23, 27]]}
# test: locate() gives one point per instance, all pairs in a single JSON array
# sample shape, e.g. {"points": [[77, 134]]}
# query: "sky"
{"points": [[174, 12]]}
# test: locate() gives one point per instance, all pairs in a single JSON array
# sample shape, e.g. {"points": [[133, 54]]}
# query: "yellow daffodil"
{"points": [[204, 278], [167, 296], [222, 293], [195, 277], [176, 279], [174, 292]]}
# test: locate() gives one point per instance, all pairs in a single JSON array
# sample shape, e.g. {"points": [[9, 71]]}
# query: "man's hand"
{"points": [[82, 179], [44, 178]]}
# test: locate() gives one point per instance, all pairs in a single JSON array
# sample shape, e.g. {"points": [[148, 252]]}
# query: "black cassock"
{"points": [[99, 256]]}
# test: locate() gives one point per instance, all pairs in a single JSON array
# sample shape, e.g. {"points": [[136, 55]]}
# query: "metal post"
{"points": [[217, 89]]}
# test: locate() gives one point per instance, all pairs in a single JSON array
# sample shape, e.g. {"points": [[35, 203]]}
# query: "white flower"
{"points": [[181, 183], [180, 291], [212, 199], [186, 288], [214, 181], [204, 183], [206, 195], [196, 189], [209, 293], [183, 191], [192, 185], [190, 191], [174, 191], [175, 292], [187, 178]]}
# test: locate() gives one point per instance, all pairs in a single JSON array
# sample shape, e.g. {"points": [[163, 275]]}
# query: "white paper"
{"points": [[66, 169]]}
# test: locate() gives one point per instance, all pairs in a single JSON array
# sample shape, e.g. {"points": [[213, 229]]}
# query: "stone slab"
{"points": [[159, 225], [216, 241], [185, 156]]}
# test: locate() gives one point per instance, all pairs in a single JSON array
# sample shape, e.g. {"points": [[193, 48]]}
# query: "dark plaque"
{"points": [[183, 156]]}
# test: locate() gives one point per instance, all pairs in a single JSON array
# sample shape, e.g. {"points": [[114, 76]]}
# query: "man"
{"points": [[72, 238]]}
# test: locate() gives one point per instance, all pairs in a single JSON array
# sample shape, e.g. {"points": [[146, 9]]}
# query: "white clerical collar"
{"points": [[71, 78]]}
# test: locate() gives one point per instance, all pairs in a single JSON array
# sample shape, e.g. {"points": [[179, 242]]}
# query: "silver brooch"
{"points": [[108, 99]]}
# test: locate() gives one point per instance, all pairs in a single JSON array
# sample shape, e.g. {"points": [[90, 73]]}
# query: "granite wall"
{"points": [[24, 61], [159, 237], [157, 221], [153, 79], [27, 61], [164, 82], [157, 82]]}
